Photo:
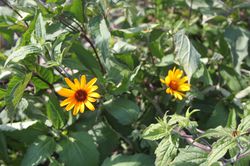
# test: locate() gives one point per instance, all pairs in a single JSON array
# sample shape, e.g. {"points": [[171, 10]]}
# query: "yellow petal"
{"points": [[162, 81], [184, 87], [65, 102], [76, 109], [70, 105], [77, 83], [169, 91], [170, 74], [179, 95], [167, 80], [91, 99], [82, 108], [94, 94], [70, 84], [90, 106], [66, 92], [83, 81], [92, 88], [91, 82], [178, 73], [183, 80]]}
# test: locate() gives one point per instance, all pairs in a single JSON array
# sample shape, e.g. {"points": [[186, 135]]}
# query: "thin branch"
{"points": [[84, 36], [95, 51], [190, 140]]}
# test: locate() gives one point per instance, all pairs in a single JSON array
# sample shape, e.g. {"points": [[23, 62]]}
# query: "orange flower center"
{"points": [[81, 95], [173, 85]]}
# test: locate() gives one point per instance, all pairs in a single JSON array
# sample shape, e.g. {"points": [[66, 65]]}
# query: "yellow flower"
{"points": [[176, 83], [80, 95]]}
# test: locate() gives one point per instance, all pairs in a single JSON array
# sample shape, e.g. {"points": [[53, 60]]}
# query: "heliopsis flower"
{"points": [[176, 84], [79, 95]]}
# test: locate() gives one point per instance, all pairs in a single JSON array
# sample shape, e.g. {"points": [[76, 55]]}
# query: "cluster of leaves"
{"points": [[172, 151], [128, 45]]}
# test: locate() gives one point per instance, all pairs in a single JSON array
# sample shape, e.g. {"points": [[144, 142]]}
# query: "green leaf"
{"points": [[86, 58], [243, 93], [218, 132], [40, 31], [187, 55], [15, 93], [219, 116], [2, 93], [123, 47], [156, 49], [38, 151], [219, 149], [3, 147], [165, 152], [76, 9], [191, 156], [131, 32], [244, 125], [132, 160], [79, 149], [155, 132], [46, 74], [231, 78], [123, 110], [101, 33], [231, 122], [55, 113], [237, 39], [106, 138], [22, 52], [26, 36]]}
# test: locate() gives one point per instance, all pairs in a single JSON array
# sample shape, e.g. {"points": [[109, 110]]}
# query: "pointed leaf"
{"points": [[39, 151], [187, 55], [219, 149], [79, 149], [165, 152]]}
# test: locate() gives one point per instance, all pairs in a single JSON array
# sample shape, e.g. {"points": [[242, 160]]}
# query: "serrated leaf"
{"points": [[187, 55], [124, 110], [244, 124], [218, 132], [191, 156], [165, 152], [39, 151], [131, 160], [40, 31], [154, 132], [22, 52], [231, 121], [55, 112], [15, 92], [79, 149], [219, 149]]}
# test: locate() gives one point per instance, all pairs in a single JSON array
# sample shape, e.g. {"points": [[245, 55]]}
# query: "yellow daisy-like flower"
{"points": [[80, 95], [176, 83]]}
